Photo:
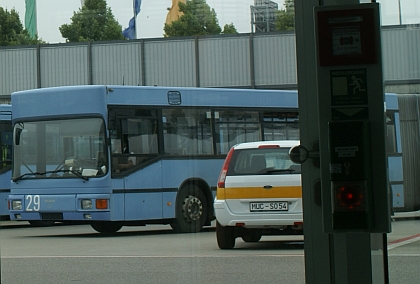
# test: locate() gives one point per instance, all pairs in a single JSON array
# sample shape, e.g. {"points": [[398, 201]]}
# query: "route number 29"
{"points": [[32, 202]]}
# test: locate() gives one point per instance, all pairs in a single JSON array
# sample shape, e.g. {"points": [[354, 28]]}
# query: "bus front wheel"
{"points": [[106, 227], [190, 210]]}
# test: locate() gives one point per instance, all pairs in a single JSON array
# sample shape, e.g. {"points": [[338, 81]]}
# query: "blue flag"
{"points": [[130, 32]]}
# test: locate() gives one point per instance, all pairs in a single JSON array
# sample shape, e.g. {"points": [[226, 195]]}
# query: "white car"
{"points": [[259, 193]]}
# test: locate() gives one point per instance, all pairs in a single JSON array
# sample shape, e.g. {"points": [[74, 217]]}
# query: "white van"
{"points": [[259, 193]]}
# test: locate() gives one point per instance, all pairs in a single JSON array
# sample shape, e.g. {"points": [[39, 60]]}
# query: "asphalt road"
{"points": [[153, 254]]}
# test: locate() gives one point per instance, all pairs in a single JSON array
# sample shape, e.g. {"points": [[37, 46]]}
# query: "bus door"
{"points": [[134, 147]]}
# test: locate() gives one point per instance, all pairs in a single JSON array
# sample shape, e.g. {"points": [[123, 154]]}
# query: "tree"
{"points": [[12, 31], [285, 20], [197, 19], [93, 22], [229, 29]]}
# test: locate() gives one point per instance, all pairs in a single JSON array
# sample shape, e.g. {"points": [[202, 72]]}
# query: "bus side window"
{"points": [[236, 126], [187, 131]]}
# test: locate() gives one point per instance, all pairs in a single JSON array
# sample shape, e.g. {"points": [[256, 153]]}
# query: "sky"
{"points": [[51, 14]]}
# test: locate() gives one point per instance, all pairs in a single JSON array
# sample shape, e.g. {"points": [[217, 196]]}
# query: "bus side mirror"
{"points": [[18, 132]]}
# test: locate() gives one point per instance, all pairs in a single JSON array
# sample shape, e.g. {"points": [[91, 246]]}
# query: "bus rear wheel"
{"points": [[106, 227], [190, 210]]}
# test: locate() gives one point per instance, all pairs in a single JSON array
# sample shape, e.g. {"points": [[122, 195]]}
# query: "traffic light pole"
{"points": [[346, 208]]}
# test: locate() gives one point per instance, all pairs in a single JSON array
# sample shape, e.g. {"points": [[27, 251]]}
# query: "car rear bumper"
{"points": [[256, 219]]}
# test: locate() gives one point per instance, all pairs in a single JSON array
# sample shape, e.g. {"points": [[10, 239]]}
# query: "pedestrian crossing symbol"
{"points": [[348, 87]]}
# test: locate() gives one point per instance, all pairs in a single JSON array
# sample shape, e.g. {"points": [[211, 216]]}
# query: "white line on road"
{"points": [[404, 241]]}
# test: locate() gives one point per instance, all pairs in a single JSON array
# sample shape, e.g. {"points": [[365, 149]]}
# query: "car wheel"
{"points": [[225, 236], [190, 210]]}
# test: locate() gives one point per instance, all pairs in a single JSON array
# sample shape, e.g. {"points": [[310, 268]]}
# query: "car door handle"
{"points": [[268, 186]]}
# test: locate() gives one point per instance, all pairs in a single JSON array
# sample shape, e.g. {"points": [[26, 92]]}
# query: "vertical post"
{"points": [[135, 19], [38, 67], [197, 61], [351, 98], [267, 15], [90, 64], [333, 252], [252, 60], [317, 243], [399, 12]]}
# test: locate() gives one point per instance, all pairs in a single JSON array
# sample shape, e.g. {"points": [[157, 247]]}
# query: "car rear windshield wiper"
{"points": [[75, 172]]}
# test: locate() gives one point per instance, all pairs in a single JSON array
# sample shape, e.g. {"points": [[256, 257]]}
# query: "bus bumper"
{"points": [[71, 207]]}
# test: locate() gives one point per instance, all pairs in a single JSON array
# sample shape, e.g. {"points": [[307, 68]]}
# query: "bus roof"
{"points": [[93, 99], [210, 97]]}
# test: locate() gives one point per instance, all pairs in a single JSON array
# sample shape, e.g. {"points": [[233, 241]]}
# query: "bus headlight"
{"points": [[16, 205], [87, 204]]}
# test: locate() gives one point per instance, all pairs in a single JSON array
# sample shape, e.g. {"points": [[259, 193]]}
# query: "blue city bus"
{"points": [[394, 149], [6, 158], [114, 156]]}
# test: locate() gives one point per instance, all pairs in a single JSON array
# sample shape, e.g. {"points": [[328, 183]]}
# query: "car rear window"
{"points": [[262, 161]]}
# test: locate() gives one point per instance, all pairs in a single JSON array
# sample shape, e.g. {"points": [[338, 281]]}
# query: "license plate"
{"points": [[268, 206]]}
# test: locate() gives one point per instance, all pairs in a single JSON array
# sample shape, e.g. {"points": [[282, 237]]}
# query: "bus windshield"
{"points": [[60, 148]]}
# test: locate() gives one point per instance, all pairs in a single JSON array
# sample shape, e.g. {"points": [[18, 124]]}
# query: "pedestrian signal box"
{"points": [[350, 175], [346, 37], [352, 127]]}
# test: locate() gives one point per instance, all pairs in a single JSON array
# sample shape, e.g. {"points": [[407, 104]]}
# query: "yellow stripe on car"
{"points": [[259, 192]]}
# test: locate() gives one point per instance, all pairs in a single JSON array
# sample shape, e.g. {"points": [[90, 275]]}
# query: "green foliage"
{"points": [[229, 29], [93, 22], [285, 20], [197, 19], [12, 31]]}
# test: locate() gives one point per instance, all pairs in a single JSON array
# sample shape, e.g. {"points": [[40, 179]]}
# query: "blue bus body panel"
{"points": [[67, 186], [55, 195], [395, 168], [395, 163], [203, 97], [4, 192], [76, 100], [154, 197], [391, 101], [5, 112]]}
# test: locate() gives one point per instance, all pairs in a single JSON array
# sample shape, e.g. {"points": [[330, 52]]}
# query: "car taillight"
{"points": [[222, 178], [223, 172]]}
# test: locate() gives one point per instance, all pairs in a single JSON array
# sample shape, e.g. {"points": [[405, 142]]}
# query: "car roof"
{"points": [[280, 143]]}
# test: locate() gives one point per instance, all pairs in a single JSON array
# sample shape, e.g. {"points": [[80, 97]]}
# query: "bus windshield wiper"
{"points": [[27, 174], [75, 172]]}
